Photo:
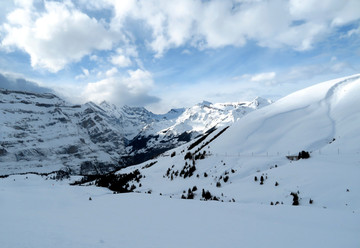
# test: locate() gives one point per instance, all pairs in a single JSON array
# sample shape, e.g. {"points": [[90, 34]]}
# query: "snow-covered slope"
{"points": [[309, 119], [322, 120], [39, 213]]}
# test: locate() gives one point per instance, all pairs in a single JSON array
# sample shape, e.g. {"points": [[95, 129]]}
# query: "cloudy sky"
{"points": [[162, 54]]}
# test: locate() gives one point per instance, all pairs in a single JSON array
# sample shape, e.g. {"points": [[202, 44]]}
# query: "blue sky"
{"points": [[163, 54]]}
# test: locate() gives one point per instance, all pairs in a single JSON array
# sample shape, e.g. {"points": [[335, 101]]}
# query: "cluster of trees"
{"points": [[188, 170], [149, 165], [190, 193], [262, 179], [206, 196], [119, 183]]}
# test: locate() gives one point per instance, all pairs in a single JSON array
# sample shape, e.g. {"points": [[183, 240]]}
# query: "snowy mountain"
{"points": [[256, 159], [166, 133], [43, 133], [274, 195]]}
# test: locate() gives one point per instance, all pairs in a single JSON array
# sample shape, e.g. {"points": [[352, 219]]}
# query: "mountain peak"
{"points": [[260, 101], [204, 103]]}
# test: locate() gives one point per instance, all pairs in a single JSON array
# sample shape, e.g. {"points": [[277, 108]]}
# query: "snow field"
{"points": [[44, 213]]}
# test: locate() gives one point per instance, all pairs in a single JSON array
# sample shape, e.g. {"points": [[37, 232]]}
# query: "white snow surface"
{"points": [[39, 213]]}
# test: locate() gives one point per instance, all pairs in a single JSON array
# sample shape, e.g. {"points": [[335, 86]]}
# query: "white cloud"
{"points": [[94, 57], [121, 60], [131, 90], [62, 33], [112, 72], [355, 31], [85, 73], [268, 76], [59, 35], [123, 56], [27, 4], [297, 24]]}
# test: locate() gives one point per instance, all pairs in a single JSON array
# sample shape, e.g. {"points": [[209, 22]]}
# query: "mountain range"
{"points": [[43, 133]]}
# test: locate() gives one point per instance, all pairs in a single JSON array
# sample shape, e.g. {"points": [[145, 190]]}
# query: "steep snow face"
{"points": [[309, 119]]}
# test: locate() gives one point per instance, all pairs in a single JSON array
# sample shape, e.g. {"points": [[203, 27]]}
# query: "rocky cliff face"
{"points": [[43, 133]]}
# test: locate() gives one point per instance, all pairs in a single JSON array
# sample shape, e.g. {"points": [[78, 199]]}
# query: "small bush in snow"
{"points": [[304, 155], [295, 198], [190, 194], [188, 155]]}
